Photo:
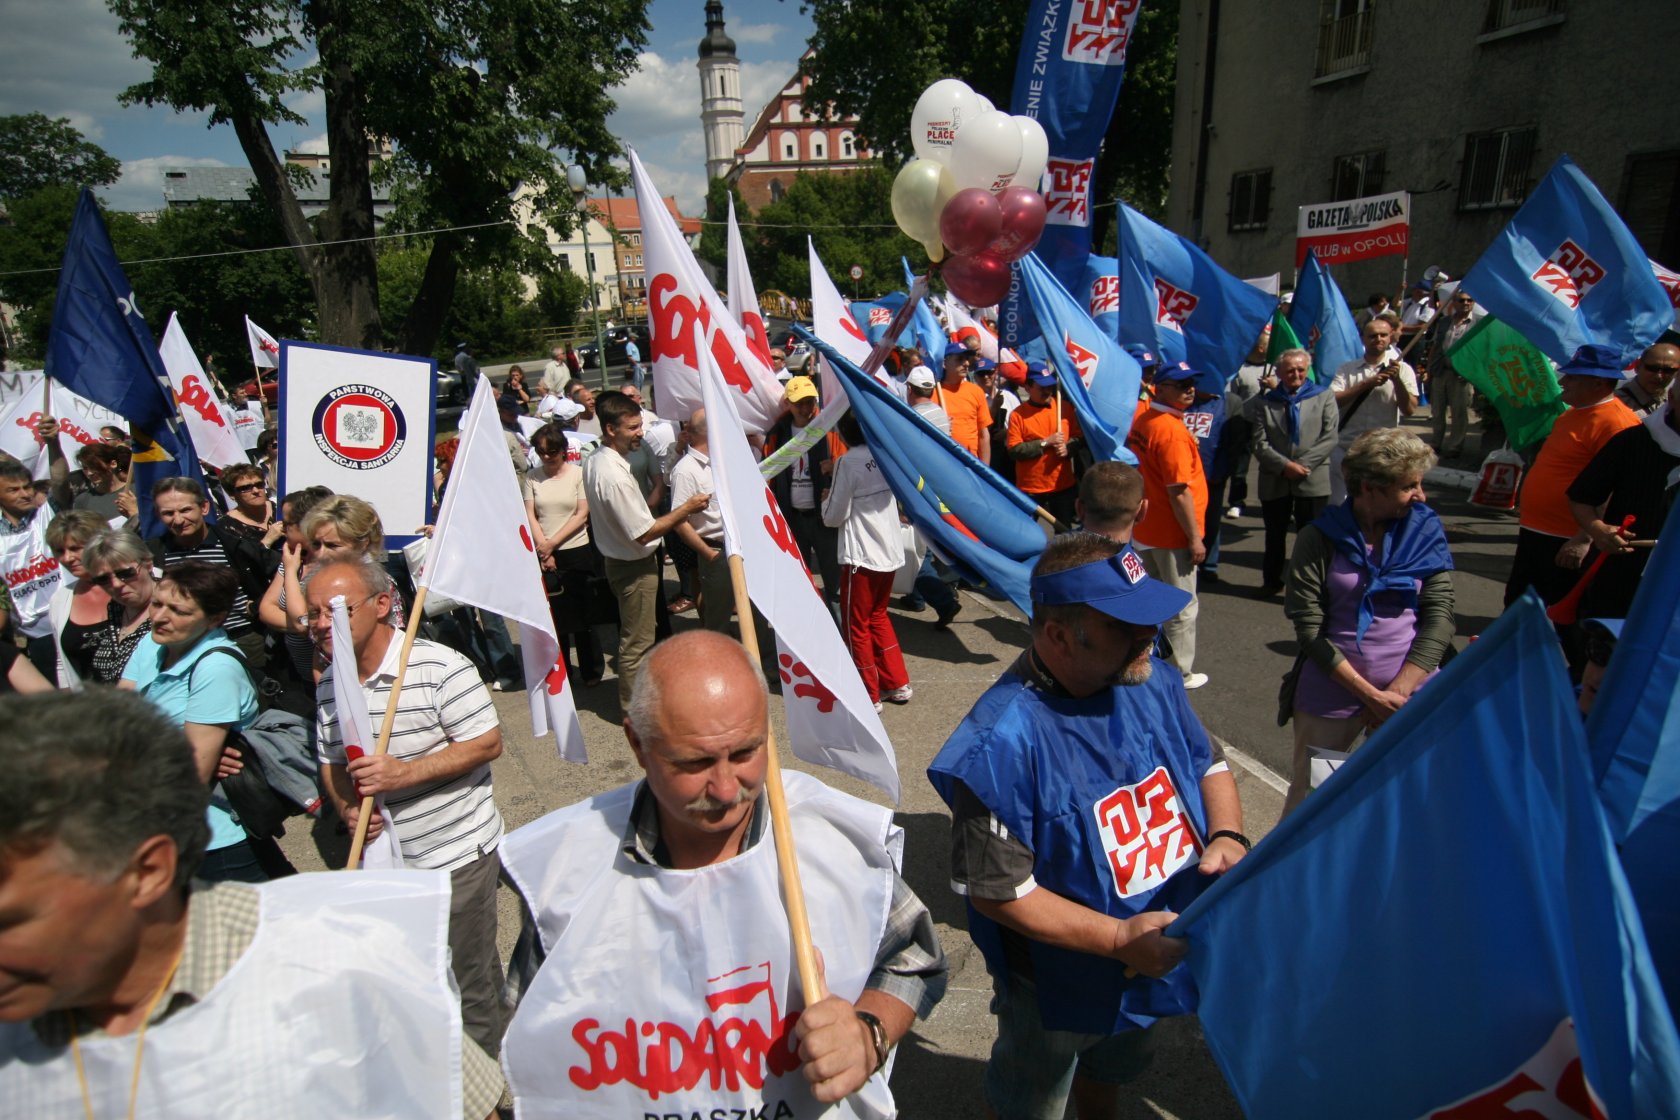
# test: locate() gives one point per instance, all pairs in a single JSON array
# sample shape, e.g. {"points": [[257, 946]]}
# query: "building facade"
{"points": [[721, 115], [791, 138], [1289, 103], [184, 186]]}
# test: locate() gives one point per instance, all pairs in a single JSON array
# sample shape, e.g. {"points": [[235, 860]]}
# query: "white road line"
{"points": [[1254, 766]]}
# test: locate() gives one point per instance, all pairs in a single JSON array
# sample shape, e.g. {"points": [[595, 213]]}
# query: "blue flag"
{"points": [[100, 347], [875, 316], [1418, 937], [1099, 289], [931, 338], [1566, 272], [977, 521], [1634, 735], [1177, 302], [1323, 322], [1067, 77], [1078, 350]]}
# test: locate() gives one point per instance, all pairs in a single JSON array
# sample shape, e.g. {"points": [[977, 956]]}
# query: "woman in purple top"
{"points": [[1371, 595]]}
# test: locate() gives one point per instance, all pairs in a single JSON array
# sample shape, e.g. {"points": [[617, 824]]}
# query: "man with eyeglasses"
{"points": [[1647, 389], [26, 563], [435, 778]]}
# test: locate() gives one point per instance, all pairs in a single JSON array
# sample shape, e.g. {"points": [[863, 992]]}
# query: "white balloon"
{"points": [[1035, 153], [986, 105], [987, 152], [941, 113]]}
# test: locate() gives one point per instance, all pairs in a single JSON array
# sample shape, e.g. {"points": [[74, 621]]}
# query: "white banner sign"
{"points": [[79, 421], [362, 423], [1355, 229]]}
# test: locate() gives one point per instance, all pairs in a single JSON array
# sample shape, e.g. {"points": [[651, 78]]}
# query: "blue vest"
{"points": [[1106, 791]]}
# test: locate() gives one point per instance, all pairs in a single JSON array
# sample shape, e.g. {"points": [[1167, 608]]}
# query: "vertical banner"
{"points": [[1067, 77], [360, 422]]}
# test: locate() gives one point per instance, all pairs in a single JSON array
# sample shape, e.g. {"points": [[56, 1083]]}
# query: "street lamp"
{"points": [[578, 181]]}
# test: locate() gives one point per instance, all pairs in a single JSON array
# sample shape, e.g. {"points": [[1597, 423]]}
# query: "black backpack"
{"points": [[280, 777]]}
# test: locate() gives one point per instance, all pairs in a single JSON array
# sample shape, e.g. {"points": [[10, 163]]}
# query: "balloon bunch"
{"points": [[972, 192]]}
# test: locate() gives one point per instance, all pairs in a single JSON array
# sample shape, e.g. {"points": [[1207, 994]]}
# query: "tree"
{"points": [[873, 58], [475, 96], [848, 217], [714, 234], [37, 151]]}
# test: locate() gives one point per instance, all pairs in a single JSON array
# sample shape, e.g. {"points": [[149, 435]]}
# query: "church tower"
{"points": [[720, 94]]}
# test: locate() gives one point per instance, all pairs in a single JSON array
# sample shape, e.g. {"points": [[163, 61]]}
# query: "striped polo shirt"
{"points": [[441, 825], [240, 616]]}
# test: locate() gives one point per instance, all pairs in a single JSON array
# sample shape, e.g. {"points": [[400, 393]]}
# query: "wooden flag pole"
{"points": [[787, 860], [383, 744]]}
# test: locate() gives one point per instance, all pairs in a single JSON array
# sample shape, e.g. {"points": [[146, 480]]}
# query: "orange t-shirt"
{"points": [[966, 406], [1049, 472], [1576, 437], [1167, 456]]}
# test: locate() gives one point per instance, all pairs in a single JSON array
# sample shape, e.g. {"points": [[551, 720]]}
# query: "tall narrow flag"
{"points": [[209, 422], [1099, 287], [1320, 317], [1178, 302], [383, 852], [1507, 370], [961, 317], [482, 555], [978, 522], [265, 348], [1442, 929], [1100, 380], [100, 348], [931, 338], [743, 299], [831, 720], [1566, 271]]}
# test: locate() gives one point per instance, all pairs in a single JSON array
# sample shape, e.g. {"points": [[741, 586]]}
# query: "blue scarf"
{"points": [[1293, 400], [1414, 548]]}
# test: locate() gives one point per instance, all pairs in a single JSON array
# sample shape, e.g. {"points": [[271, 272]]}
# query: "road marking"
{"points": [[1253, 765]]}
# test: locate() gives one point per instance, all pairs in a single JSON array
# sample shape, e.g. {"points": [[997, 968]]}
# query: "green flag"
{"points": [[1507, 370], [1285, 338]]}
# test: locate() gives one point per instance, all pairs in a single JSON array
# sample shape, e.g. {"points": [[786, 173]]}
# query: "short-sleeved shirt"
{"points": [[1168, 455], [444, 824], [1575, 438], [966, 406], [1379, 408], [618, 511], [211, 550], [556, 500], [693, 475], [930, 411], [1629, 476], [1048, 473]]}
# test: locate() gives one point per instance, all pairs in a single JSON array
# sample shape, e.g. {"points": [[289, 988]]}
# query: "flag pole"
{"points": [[787, 860], [383, 743]]}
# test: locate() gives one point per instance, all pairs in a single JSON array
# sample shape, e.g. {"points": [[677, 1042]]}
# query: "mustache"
{"points": [[705, 804]]}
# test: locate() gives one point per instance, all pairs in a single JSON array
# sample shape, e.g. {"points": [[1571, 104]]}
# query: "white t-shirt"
{"points": [[693, 475], [1380, 408]]}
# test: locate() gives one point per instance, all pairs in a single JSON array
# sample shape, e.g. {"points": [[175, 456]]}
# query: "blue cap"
{"points": [[1118, 587], [1141, 353], [1611, 626], [1595, 361], [1043, 378], [985, 364], [1179, 371], [956, 348]]}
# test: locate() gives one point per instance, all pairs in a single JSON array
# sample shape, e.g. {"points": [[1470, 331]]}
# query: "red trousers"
{"points": [[869, 631]]}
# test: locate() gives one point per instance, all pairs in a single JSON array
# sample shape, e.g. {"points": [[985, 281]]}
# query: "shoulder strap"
{"points": [[237, 655], [1364, 394]]}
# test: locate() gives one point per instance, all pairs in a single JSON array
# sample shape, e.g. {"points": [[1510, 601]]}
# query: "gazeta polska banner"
{"points": [[360, 422], [1355, 229]]}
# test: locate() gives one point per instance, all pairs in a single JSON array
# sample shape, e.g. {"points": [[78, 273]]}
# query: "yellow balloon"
{"points": [[935, 250], [948, 186], [915, 206]]}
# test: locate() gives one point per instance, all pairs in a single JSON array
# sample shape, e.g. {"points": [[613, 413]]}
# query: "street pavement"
{"points": [[1245, 644]]}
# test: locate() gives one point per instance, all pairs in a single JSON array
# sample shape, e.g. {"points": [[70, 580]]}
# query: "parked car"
{"points": [[449, 390], [799, 357], [616, 337], [270, 387]]}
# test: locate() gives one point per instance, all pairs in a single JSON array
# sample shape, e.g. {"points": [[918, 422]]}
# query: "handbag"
{"points": [[1286, 690]]}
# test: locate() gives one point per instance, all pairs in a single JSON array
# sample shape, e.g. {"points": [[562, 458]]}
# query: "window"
{"points": [[635, 239], [1651, 204], [848, 147], [638, 260], [776, 191], [565, 262], [1495, 172], [1505, 15], [790, 146], [1251, 199], [1357, 175], [819, 146], [1344, 37]]}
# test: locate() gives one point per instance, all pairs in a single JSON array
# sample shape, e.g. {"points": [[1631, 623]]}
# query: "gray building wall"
{"points": [[1592, 79]]}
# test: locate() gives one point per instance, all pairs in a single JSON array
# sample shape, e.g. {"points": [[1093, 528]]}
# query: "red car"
{"points": [[270, 387]]}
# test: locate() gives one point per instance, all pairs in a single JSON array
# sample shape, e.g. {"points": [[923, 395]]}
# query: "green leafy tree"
{"points": [[475, 96], [37, 151], [714, 235], [849, 217], [873, 58]]}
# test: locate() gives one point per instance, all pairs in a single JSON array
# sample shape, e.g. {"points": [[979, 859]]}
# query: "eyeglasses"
{"points": [[1670, 370], [321, 614], [550, 453], [115, 575], [249, 486]]}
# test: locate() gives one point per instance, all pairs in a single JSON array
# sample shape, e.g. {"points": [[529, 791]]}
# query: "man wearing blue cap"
{"points": [[1088, 806], [1042, 437]]}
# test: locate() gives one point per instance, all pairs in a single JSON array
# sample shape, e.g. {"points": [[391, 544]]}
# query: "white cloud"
{"points": [[754, 32], [314, 146], [141, 185], [311, 103]]}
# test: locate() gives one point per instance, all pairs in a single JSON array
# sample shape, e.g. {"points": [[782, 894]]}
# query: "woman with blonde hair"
{"points": [[119, 564], [78, 608]]}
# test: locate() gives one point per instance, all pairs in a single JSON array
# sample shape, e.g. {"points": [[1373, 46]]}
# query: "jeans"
{"points": [[236, 863], [1212, 524], [1030, 1075], [498, 649], [931, 589]]}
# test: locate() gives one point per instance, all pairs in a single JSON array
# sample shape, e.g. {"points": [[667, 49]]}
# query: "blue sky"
{"points": [[66, 58]]}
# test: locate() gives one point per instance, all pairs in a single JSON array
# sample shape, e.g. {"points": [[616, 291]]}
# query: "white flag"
{"points": [[79, 420], [482, 555], [686, 315], [831, 720], [960, 318], [265, 351], [743, 300], [210, 423], [383, 852]]}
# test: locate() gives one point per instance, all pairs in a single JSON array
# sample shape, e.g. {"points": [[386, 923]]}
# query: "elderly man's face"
{"points": [[1292, 372], [365, 611], [634, 394], [707, 763]]}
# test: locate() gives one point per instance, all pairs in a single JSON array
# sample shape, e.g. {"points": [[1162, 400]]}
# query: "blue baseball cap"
{"points": [[955, 348], [1039, 374], [1180, 371], [1593, 360], [1119, 587], [1142, 354], [985, 364]]}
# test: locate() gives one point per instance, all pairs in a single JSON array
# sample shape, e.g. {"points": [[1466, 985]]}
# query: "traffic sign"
{"points": [[857, 272]]}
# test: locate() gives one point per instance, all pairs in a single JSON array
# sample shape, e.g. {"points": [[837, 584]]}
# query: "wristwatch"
{"points": [[1247, 844], [878, 1034]]}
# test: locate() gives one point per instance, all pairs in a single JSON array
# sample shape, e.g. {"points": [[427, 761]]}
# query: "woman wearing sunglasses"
{"points": [[119, 565], [77, 608], [252, 515]]}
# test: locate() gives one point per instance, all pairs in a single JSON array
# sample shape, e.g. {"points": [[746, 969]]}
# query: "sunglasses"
{"points": [[249, 486], [115, 575], [1670, 370]]}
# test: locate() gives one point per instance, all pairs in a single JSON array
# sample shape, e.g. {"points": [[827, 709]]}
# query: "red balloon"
{"points": [[970, 221], [1022, 214], [978, 279]]}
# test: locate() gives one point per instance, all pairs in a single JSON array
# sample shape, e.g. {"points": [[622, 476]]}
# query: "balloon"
{"points": [[970, 221], [1035, 153], [915, 201], [948, 189], [941, 113], [979, 280], [986, 152], [1021, 213], [986, 105], [935, 250]]}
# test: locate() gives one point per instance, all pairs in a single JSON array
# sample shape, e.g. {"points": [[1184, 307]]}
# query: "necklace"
{"points": [[139, 1042]]}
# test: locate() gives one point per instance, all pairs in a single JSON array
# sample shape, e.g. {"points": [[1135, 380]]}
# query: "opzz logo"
{"points": [[880, 316], [1105, 295], [1098, 31], [1146, 834], [1568, 274], [1068, 199], [1173, 306]]}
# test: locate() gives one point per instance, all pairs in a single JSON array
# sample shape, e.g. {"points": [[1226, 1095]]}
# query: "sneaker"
{"points": [[1195, 680], [899, 695], [879, 706], [1234, 511], [506, 686], [946, 616]]}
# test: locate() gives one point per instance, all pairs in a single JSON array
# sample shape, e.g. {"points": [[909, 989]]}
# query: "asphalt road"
{"points": [[1245, 645]]}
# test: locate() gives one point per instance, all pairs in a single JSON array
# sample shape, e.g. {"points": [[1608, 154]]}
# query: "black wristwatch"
{"points": [[877, 1034], [1248, 845]]}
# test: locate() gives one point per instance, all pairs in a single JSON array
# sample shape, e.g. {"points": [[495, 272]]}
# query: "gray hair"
{"points": [[115, 547], [1385, 457], [647, 695], [375, 579], [1294, 352], [100, 772]]}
